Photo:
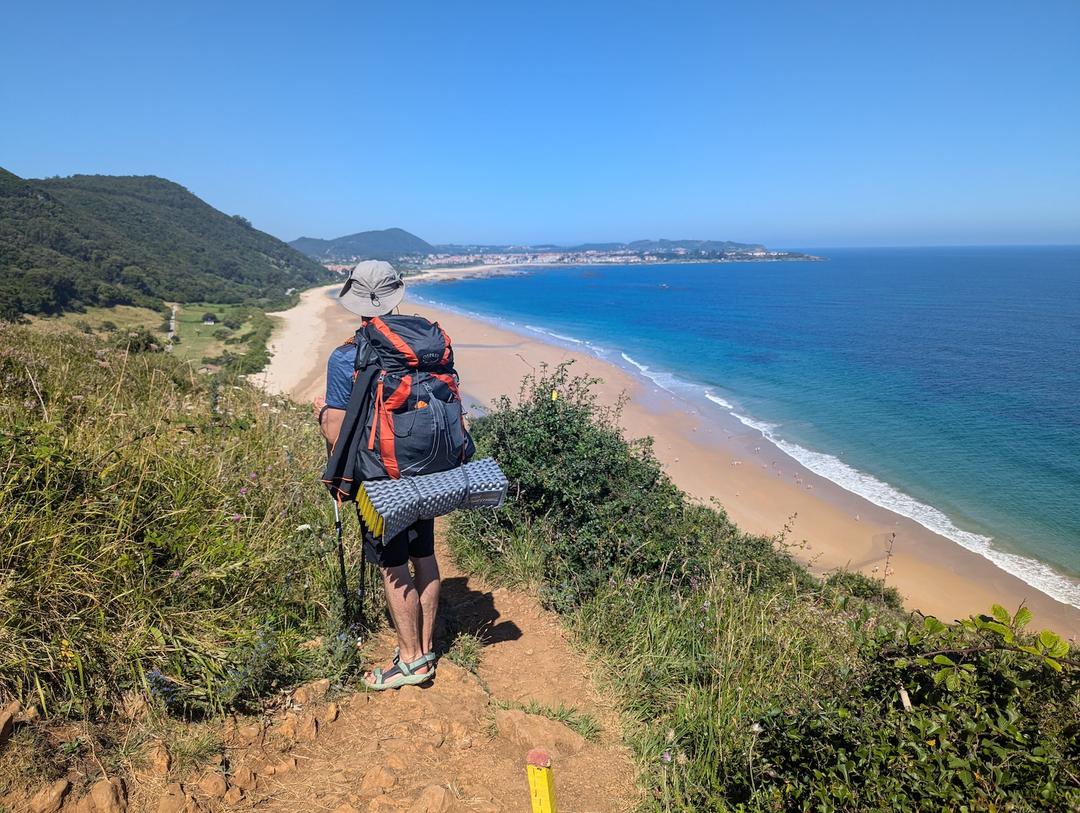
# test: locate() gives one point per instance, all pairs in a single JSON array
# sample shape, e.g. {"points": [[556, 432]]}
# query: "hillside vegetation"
{"points": [[99, 240], [162, 537], [748, 684], [164, 540]]}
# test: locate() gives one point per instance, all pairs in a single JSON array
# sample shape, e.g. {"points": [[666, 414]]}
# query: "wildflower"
{"points": [[304, 527], [756, 728], [665, 757], [242, 492], [236, 517], [681, 759], [253, 476]]}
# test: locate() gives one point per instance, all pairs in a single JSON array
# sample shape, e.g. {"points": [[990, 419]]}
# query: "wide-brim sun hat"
{"points": [[374, 288]]}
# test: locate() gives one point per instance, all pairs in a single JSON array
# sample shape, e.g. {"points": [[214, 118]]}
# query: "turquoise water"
{"points": [[942, 383]]}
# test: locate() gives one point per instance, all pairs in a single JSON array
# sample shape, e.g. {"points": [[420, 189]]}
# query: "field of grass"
{"points": [[163, 536], [237, 339], [118, 317], [747, 684]]}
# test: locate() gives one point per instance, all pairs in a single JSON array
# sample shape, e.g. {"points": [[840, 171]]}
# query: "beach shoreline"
{"points": [[711, 456]]}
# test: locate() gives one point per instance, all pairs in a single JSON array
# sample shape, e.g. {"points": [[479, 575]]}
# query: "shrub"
{"points": [[594, 503], [850, 583], [746, 683]]}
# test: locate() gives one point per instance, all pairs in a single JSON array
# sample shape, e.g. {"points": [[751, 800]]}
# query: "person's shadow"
{"points": [[464, 610]]}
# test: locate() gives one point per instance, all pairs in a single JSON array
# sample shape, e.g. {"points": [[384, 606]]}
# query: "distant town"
{"points": [[412, 253]]}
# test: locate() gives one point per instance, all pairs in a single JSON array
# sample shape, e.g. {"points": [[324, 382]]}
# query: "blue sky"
{"points": [[794, 124]]}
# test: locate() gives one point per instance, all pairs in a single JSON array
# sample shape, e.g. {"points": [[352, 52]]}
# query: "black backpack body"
{"points": [[405, 415]]}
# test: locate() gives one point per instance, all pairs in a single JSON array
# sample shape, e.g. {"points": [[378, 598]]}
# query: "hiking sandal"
{"points": [[432, 659], [400, 674]]}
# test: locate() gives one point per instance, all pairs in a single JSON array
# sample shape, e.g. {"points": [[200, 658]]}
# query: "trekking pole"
{"points": [[343, 582], [363, 582]]}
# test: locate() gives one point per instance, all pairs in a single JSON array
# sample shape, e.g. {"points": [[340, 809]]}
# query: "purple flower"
{"points": [[665, 757], [236, 517], [253, 476], [243, 491]]}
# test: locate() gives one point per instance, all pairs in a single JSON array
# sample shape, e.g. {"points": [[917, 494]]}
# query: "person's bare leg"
{"points": [[404, 603], [427, 585]]}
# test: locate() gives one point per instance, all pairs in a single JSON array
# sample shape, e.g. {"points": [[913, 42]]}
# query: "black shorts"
{"points": [[416, 542]]}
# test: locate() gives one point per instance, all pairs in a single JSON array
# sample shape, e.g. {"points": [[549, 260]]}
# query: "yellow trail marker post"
{"points": [[541, 781]]}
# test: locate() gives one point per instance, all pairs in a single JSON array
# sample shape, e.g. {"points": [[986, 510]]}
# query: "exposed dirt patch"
{"points": [[457, 744]]}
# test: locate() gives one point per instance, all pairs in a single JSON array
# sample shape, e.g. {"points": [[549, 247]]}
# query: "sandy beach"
{"points": [[714, 457]]}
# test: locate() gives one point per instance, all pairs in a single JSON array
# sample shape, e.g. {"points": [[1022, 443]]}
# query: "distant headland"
{"points": [[412, 252]]}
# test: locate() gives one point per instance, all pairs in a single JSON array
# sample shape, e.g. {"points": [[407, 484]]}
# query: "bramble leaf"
{"points": [[1001, 614], [933, 626], [1023, 618], [1048, 639]]}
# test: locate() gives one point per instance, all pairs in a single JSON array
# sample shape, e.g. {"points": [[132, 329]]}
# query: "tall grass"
{"points": [[746, 683], [161, 532]]}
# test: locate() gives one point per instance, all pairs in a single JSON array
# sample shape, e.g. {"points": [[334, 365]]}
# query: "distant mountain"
{"points": [[66, 243], [384, 244]]}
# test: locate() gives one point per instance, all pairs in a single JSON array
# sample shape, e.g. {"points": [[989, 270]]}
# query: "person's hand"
{"points": [[317, 403]]}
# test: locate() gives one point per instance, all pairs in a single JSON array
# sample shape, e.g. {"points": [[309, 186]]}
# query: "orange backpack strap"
{"points": [[399, 343], [384, 416]]}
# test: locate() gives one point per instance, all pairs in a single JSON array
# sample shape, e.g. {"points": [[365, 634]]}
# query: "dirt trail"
{"points": [[450, 746]]}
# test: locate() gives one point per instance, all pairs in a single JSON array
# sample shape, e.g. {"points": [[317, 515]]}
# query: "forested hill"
{"points": [[379, 244], [66, 243]]}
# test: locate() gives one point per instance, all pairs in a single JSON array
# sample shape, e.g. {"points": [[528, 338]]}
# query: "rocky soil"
{"points": [[457, 744]]}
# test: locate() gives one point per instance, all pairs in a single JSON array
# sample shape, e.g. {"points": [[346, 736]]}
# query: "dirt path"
{"points": [[457, 745]]}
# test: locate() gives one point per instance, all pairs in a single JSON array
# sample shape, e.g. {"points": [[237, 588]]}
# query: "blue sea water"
{"points": [[943, 383]]}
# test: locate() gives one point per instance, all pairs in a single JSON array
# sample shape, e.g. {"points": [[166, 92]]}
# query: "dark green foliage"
{"points": [[860, 586], [606, 505], [747, 683], [139, 340], [994, 720], [161, 532], [69, 243]]}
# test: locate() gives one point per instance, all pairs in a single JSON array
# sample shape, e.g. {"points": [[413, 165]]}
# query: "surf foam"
{"points": [[1033, 572]]}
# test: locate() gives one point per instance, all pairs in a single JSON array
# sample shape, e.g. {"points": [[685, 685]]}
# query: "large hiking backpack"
{"points": [[405, 415]]}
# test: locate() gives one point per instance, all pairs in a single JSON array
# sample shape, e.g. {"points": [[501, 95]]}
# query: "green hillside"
{"points": [[384, 244], [69, 243]]}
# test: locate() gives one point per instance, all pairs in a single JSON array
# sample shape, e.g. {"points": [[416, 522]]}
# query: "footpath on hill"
{"points": [[457, 744]]}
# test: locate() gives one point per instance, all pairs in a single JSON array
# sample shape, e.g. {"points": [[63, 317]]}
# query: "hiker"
{"points": [[374, 289]]}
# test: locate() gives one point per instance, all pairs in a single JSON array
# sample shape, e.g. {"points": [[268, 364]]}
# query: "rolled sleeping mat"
{"points": [[390, 506]]}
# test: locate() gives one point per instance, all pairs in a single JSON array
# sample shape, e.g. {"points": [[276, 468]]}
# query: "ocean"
{"points": [[941, 383]]}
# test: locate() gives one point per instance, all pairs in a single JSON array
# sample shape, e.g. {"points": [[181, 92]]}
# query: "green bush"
{"points": [[161, 532], [595, 504], [746, 683]]}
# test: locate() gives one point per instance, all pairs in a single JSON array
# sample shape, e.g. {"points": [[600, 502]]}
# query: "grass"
{"points": [[238, 339], [163, 535], [745, 683], [466, 651], [122, 317], [570, 717], [245, 334]]}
